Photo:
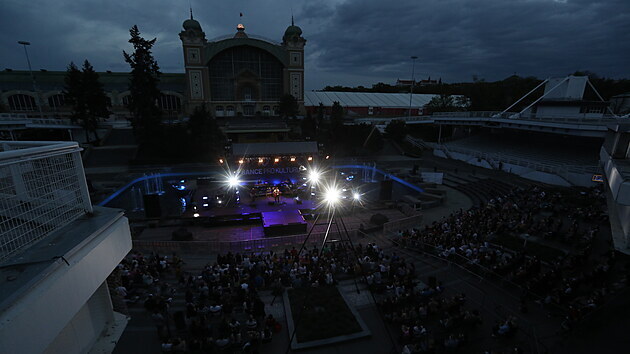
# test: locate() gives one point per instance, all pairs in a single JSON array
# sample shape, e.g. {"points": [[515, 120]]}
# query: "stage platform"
{"points": [[246, 205], [283, 222]]}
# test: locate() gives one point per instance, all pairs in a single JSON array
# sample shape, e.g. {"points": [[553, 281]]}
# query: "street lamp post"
{"points": [[30, 70], [413, 81]]}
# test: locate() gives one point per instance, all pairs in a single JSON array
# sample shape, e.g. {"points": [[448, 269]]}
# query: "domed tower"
{"points": [[193, 41], [293, 42]]}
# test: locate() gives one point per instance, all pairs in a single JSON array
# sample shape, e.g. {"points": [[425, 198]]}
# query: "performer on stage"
{"points": [[276, 195]]}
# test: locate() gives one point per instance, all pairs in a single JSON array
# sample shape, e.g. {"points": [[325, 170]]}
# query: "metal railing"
{"points": [[256, 245], [581, 118], [561, 169], [38, 121], [402, 224], [42, 189]]}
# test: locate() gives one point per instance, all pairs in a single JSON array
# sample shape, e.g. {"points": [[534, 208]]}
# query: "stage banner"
{"points": [[432, 177], [271, 171]]}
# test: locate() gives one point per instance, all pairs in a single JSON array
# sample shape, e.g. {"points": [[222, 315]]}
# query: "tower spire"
{"points": [[190, 5], [292, 24]]}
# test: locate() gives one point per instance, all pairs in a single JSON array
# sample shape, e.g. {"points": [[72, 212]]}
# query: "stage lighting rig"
{"points": [[233, 181], [314, 176], [332, 196]]}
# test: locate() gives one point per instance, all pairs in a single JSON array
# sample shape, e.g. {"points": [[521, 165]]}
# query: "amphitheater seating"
{"points": [[479, 190], [573, 156]]}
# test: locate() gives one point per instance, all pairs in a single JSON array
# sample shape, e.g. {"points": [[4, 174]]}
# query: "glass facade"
{"points": [[245, 73], [21, 102]]}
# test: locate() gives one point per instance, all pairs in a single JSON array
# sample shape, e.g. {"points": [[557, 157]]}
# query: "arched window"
{"points": [[248, 110], [276, 111], [170, 103], [227, 68], [266, 110], [126, 100], [56, 101], [21, 102], [229, 111], [218, 111]]}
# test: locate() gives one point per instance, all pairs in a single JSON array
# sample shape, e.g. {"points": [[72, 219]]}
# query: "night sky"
{"points": [[349, 42]]}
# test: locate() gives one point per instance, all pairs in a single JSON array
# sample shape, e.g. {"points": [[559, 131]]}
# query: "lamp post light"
{"points": [[30, 70], [413, 81]]}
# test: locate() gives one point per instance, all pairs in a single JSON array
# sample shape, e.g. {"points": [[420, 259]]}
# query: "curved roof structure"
{"points": [[214, 48], [366, 99]]}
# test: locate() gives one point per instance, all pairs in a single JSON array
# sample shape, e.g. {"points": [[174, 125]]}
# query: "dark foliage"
{"points": [[84, 92], [288, 106], [145, 94], [396, 130]]}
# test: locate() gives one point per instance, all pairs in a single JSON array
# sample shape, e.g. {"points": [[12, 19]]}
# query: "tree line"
{"points": [[84, 92]]}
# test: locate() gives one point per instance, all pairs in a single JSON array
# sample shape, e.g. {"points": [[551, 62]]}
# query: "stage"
{"points": [[283, 222], [286, 217]]}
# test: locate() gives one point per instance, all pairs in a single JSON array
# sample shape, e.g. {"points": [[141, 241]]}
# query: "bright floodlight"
{"points": [[233, 181], [356, 196], [332, 196], [313, 176]]}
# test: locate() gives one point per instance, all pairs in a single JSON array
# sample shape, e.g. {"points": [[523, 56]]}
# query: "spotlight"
{"points": [[205, 197], [260, 160], [313, 176], [221, 161], [240, 161], [292, 159], [276, 160], [332, 196], [327, 157], [233, 181], [310, 158], [196, 215], [356, 196]]}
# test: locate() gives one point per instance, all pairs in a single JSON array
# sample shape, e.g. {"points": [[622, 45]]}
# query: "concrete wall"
{"points": [[567, 111], [86, 325], [67, 309]]}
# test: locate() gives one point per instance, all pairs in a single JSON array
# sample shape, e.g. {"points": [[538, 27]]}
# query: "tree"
{"points": [[309, 126], [74, 96], [321, 110], [288, 106], [95, 99], [374, 140], [443, 103], [396, 130], [73, 92], [204, 134], [336, 114], [84, 92], [145, 75]]}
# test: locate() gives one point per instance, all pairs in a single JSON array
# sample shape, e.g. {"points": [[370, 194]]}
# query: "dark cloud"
{"points": [[350, 42]]}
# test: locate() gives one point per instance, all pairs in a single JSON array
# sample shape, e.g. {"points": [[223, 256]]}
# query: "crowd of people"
{"points": [[571, 285], [223, 308]]}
